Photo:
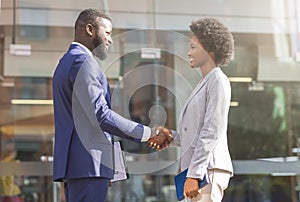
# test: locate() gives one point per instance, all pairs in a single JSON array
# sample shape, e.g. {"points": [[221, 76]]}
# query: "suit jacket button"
{"points": [[185, 129]]}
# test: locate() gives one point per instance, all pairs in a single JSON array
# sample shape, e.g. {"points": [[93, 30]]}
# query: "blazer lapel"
{"points": [[196, 89], [194, 92]]}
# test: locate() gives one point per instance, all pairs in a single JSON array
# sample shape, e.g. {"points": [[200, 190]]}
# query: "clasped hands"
{"points": [[160, 138]]}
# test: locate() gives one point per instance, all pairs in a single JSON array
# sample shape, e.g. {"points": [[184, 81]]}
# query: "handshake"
{"points": [[160, 138]]}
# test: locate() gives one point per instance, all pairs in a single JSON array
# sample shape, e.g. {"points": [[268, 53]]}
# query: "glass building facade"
{"points": [[150, 79]]}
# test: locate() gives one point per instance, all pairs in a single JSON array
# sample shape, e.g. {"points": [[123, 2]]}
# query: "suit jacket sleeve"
{"points": [[92, 90], [215, 126]]}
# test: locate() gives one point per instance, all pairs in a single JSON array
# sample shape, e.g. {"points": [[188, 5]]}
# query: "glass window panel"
{"points": [[263, 125]]}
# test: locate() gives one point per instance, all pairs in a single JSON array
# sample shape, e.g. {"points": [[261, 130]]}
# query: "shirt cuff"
{"points": [[197, 174], [146, 134]]}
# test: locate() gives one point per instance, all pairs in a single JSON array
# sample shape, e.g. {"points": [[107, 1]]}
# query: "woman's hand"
{"points": [[191, 188]]}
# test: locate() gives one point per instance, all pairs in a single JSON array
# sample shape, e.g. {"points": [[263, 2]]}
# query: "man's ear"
{"points": [[89, 29]]}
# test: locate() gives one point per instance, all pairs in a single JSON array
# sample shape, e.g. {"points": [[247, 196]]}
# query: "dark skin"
{"points": [[85, 35], [89, 34], [161, 140]]}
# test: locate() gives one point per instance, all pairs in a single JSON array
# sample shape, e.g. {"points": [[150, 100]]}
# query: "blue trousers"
{"points": [[92, 189]]}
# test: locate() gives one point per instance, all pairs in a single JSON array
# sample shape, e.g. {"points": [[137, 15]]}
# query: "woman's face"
{"points": [[197, 55]]}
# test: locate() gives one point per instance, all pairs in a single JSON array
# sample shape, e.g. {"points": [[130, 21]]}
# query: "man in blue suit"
{"points": [[84, 122]]}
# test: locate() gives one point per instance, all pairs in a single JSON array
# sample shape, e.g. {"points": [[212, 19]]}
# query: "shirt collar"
{"points": [[84, 47]]}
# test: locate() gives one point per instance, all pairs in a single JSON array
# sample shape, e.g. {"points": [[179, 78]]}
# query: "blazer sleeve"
{"points": [[215, 126], [91, 89], [176, 138]]}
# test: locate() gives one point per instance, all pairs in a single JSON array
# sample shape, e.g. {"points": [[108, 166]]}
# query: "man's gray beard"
{"points": [[100, 52]]}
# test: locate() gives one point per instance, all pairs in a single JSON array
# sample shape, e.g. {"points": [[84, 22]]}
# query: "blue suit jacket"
{"points": [[84, 121]]}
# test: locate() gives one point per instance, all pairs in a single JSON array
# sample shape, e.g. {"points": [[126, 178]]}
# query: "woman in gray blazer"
{"points": [[202, 133]]}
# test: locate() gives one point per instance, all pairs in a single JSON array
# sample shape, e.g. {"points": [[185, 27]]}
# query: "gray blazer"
{"points": [[202, 126]]}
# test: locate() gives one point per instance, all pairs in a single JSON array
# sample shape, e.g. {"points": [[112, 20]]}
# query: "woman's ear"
{"points": [[89, 29]]}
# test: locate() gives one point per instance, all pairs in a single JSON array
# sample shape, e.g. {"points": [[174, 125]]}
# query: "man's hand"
{"points": [[160, 138]]}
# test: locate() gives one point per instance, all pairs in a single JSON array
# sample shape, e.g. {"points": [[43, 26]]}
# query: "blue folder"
{"points": [[179, 183]]}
